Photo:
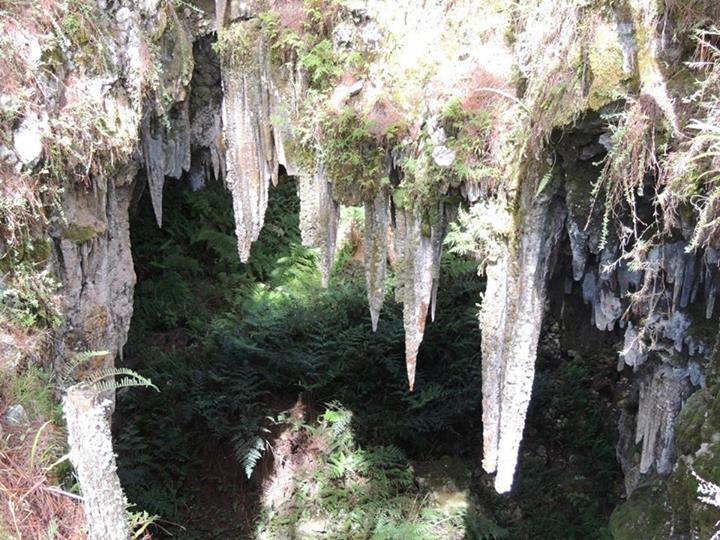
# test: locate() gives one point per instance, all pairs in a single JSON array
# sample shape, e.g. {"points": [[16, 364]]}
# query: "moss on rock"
{"points": [[642, 517], [609, 79]]}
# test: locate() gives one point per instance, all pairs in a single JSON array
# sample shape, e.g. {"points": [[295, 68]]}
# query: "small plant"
{"points": [[101, 379], [354, 158]]}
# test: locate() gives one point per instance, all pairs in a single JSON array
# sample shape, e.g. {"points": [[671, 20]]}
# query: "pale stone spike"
{"points": [[250, 156], [511, 320], [415, 277], [319, 217], [328, 216], [154, 156], [377, 218], [437, 235], [492, 323], [307, 193]]}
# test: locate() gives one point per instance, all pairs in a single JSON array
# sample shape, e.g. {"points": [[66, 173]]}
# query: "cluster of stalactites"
{"points": [[417, 255], [418, 274], [251, 157], [510, 322], [166, 152]]}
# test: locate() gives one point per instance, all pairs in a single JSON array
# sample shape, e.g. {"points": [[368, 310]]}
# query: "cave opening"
{"points": [[282, 414], [280, 410]]}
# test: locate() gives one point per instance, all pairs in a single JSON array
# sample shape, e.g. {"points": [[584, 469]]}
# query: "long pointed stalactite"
{"points": [[418, 257], [510, 323], [377, 219]]}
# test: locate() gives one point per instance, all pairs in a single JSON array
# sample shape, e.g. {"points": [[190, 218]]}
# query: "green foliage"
{"points": [[358, 492], [234, 44], [354, 158], [321, 64], [240, 338], [468, 133], [28, 300], [102, 379], [32, 388]]}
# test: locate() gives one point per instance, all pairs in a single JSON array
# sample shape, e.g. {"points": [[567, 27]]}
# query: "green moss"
{"points": [[355, 160], [642, 517], [609, 80], [711, 426], [690, 421], [79, 233]]}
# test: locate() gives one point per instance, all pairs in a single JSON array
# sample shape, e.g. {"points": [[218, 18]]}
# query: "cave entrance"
{"points": [[282, 415], [272, 387], [280, 411]]}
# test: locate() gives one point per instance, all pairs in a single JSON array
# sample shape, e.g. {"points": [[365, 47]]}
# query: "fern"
{"points": [[76, 361], [106, 379], [250, 452]]}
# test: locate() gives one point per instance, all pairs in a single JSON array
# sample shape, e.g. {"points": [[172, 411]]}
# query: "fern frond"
{"points": [[250, 452], [125, 382], [77, 360], [129, 378]]}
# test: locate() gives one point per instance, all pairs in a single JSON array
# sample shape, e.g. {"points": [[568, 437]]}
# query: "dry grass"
{"points": [[631, 159], [31, 505], [691, 174]]}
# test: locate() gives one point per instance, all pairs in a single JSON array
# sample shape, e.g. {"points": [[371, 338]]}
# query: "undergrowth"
{"points": [[232, 346]]}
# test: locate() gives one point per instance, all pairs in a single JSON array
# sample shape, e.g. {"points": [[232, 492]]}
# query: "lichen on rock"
{"points": [[251, 158], [377, 218], [319, 217]]}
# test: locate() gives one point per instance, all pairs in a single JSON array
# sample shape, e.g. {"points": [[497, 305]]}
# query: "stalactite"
{"points": [[510, 323], [154, 156], [251, 158], [166, 151], [376, 250], [661, 397], [418, 270], [319, 217]]}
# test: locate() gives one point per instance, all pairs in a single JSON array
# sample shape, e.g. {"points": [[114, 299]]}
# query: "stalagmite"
{"points": [[319, 217], [249, 145], [88, 422], [510, 323], [418, 270], [376, 246]]}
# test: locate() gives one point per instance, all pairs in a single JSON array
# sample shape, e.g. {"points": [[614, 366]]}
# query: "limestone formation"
{"points": [[319, 218], [510, 323], [377, 217], [91, 452], [661, 397], [418, 270]]}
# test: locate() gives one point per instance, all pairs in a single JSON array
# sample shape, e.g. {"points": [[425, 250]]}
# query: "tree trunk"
{"points": [[88, 421]]}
